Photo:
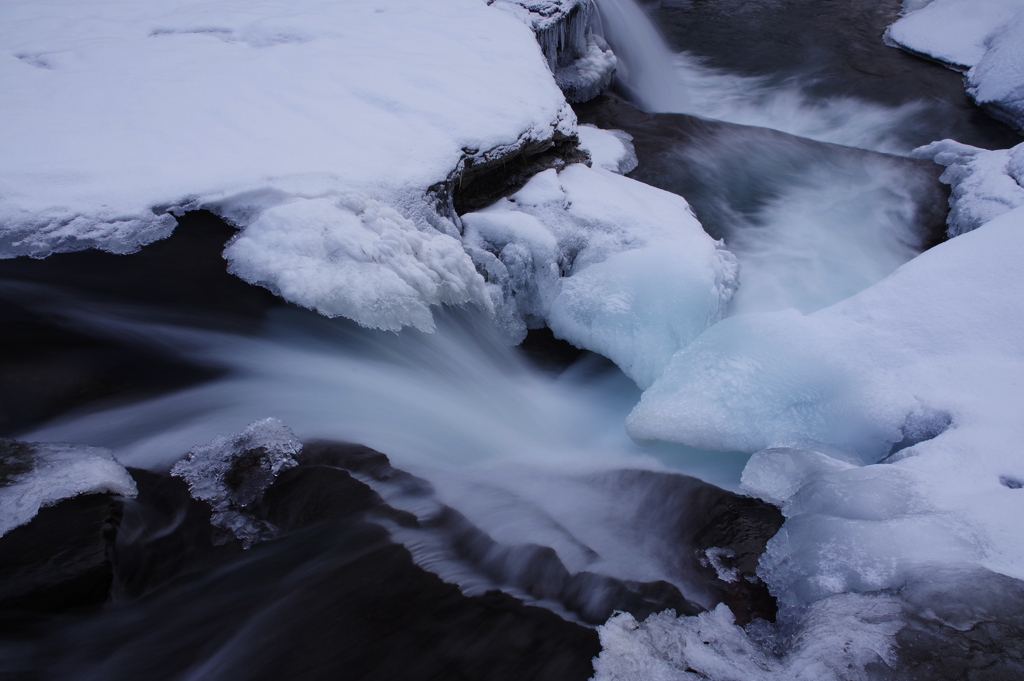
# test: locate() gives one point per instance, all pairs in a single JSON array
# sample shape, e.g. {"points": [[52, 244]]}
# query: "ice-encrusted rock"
{"points": [[288, 105], [607, 263], [231, 474], [985, 184], [983, 37], [580, 59], [38, 474], [609, 149], [345, 256]]}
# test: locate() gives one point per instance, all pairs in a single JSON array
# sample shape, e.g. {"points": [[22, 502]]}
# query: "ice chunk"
{"points": [[609, 264], [354, 257], [838, 638], [608, 149], [37, 474], [939, 337], [231, 473], [985, 184]]}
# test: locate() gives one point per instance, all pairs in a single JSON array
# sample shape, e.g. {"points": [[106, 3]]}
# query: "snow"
{"points": [[609, 149], [930, 358], [607, 263], [985, 184], [342, 256], [38, 474], [984, 36], [116, 114], [230, 473]]}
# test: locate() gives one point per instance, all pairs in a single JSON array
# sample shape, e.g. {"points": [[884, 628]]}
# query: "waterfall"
{"points": [[646, 67]]}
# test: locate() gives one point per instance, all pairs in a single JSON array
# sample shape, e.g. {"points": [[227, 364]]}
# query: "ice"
{"points": [[930, 355], [590, 74], [118, 114], [38, 474], [985, 184], [983, 37], [608, 263], [838, 638], [231, 473], [343, 256], [608, 149]]}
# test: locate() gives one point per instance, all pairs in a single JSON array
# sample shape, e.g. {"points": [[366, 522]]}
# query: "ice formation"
{"points": [[354, 257], [609, 149], [38, 474], [983, 37], [231, 473], [607, 263], [118, 115], [888, 431], [985, 184]]}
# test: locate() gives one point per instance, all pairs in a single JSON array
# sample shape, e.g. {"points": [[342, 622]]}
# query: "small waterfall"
{"points": [[646, 69]]}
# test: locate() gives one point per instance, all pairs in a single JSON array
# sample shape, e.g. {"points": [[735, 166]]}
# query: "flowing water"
{"points": [[520, 451]]}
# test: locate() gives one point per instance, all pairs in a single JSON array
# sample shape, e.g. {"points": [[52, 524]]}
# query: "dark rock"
{"points": [[61, 559], [962, 626], [333, 598], [482, 180], [692, 518], [165, 534]]}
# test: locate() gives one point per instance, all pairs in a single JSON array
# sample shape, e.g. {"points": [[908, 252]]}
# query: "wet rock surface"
{"points": [[335, 589], [61, 560]]}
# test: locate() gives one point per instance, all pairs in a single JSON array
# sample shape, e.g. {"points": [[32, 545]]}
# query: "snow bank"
{"points": [[38, 474], [117, 114], [985, 184], [232, 473], [888, 426], [608, 263], [984, 38]]}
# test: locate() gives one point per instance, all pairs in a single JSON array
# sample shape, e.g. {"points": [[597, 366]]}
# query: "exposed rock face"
{"points": [[60, 560], [712, 536], [333, 597]]}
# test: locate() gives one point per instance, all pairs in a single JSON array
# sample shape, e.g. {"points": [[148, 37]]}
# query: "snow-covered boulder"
{"points": [[607, 263], [38, 474], [985, 38], [119, 115], [985, 184]]}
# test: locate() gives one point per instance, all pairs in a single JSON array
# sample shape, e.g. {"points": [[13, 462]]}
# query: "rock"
{"points": [[711, 536], [61, 559]]}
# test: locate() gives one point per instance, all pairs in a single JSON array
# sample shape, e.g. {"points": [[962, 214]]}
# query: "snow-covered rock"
{"points": [[609, 149], [38, 474], [985, 184], [231, 474], [608, 263], [117, 115], [983, 37]]}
